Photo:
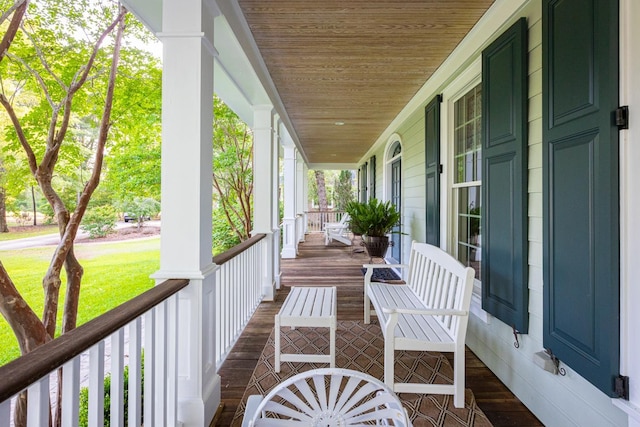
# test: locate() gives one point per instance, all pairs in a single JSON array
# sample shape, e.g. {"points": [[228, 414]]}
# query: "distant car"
{"points": [[129, 217]]}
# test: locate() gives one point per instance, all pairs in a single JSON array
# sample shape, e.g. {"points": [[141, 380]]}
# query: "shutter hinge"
{"points": [[622, 117], [440, 168], [622, 387]]}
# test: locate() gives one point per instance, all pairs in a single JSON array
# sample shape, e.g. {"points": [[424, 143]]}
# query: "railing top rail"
{"points": [[24, 371], [237, 249]]}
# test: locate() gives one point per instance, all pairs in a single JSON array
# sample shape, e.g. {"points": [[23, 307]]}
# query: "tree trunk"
{"points": [[33, 200], [3, 212], [322, 190]]}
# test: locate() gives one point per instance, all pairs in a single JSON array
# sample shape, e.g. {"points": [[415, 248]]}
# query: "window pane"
{"points": [[467, 136], [469, 233]]}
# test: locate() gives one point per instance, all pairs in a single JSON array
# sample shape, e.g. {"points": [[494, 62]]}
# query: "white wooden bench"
{"points": [[428, 313], [311, 307]]}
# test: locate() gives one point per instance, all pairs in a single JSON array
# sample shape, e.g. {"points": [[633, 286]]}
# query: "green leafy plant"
{"points": [[99, 221], [141, 208], [373, 218], [83, 420]]}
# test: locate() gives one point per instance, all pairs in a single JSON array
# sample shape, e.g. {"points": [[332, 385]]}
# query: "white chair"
{"points": [[337, 231], [327, 397]]}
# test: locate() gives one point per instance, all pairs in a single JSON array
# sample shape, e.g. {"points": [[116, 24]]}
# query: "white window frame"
{"points": [[459, 86], [388, 159]]}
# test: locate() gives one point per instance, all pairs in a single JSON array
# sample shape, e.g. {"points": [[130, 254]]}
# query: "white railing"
{"points": [[317, 219], [238, 291], [103, 347], [139, 337]]}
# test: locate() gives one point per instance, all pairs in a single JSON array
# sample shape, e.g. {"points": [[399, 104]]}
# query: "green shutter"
{"points": [[363, 183], [580, 187], [372, 172], [504, 182], [432, 172]]}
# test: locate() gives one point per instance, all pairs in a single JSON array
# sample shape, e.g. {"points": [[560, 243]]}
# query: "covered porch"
{"points": [[399, 91]]}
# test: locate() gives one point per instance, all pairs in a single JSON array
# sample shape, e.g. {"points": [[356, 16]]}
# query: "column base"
{"points": [[196, 412]]}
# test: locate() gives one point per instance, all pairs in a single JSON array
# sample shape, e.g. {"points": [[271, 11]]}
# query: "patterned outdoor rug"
{"points": [[360, 347]]}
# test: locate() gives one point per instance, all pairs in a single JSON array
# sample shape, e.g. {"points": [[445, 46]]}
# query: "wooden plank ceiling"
{"points": [[353, 61]]}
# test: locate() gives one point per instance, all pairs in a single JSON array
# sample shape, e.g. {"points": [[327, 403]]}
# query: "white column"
{"points": [[185, 252], [275, 158], [300, 200], [630, 209], [289, 232], [305, 197], [263, 191]]}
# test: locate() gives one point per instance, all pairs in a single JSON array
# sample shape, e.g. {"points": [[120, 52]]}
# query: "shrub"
{"points": [[99, 221], [84, 398]]}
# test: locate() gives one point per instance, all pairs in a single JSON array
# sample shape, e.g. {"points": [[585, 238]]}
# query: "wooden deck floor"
{"points": [[337, 265]]}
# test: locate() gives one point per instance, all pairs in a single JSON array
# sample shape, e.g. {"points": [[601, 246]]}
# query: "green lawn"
{"points": [[113, 273]]}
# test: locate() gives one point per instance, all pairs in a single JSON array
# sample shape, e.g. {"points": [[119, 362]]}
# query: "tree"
{"points": [[42, 53], [133, 162], [16, 12], [343, 190], [322, 190], [233, 169]]}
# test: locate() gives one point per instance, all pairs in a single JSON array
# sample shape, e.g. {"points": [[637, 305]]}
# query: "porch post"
{"points": [[305, 199], [275, 206], [301, 179], [289, 228], [185, 251], [263, 191]]}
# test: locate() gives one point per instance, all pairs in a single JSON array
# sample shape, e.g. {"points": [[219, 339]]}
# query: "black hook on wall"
{"points": [[515, 335], [556, 362]]}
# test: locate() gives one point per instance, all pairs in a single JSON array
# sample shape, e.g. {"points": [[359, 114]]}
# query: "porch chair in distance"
{"points": [[337, 231]]}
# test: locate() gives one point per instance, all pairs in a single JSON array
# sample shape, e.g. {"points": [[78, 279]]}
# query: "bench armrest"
{"points": [[425, 312], [367, 266]]}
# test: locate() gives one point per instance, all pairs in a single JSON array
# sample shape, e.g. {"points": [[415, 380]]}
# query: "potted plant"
{"points": [[373, 220]]}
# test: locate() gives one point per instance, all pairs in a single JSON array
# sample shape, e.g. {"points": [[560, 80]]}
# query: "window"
{"points": [[467, 182]]}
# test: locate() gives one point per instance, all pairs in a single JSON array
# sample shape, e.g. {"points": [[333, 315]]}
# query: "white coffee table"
{"points": [[311, 307]]}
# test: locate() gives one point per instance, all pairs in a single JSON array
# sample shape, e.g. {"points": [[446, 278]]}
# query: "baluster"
{"points": [[96, 385], [159, 373], [135, 392], [71, 392], [38, 408], [149, 367], [5, 412], [117, 378]]}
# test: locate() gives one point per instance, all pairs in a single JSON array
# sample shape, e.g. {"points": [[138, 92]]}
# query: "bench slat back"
{"points": [[441, 282]]}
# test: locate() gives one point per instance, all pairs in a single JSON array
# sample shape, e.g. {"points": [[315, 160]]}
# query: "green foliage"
{"points": [[372, 218], [133, 163], [65, 35], [223, 235], [142, 207], [233, 169], [343, 190], [84, 398], [99, 221]]}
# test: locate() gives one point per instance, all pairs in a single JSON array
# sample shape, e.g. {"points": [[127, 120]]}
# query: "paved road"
{"points": [[53, 239]]}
